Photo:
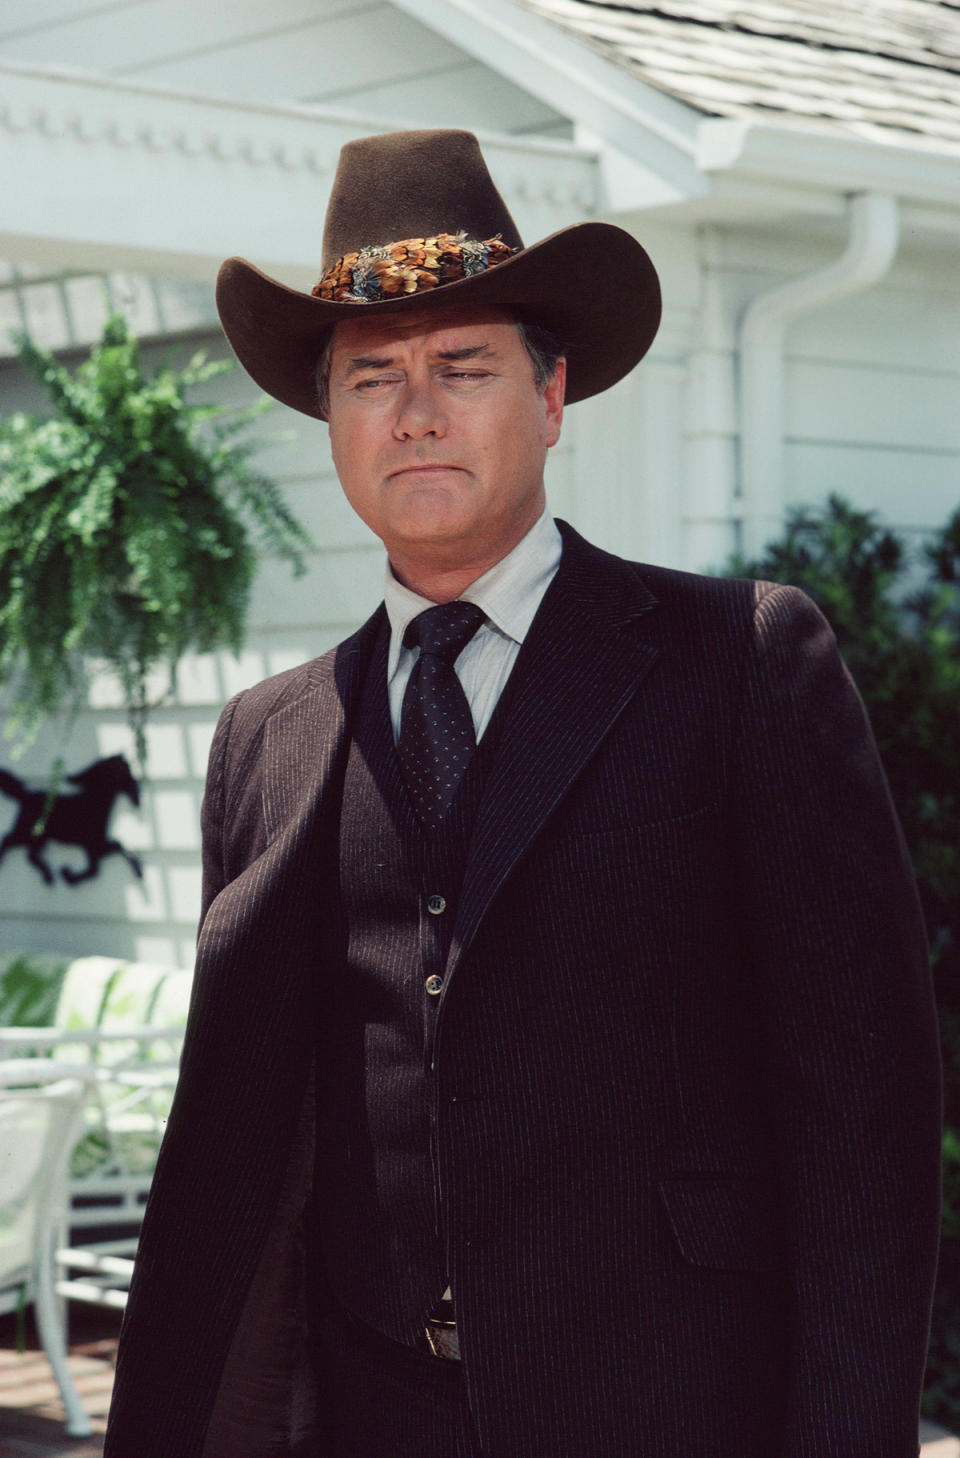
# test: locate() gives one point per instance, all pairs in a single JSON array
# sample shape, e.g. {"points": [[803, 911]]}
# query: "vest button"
{"points": [[436, 904], [434, 986]]}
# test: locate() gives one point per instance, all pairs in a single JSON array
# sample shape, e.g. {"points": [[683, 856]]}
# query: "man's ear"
{"points": [[553, 401]]}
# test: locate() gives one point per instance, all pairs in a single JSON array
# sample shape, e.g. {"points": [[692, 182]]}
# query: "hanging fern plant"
{"points": [[130, 523]]}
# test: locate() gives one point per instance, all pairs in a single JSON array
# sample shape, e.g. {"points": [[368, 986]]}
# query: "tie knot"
{"points": [[444, 630]]}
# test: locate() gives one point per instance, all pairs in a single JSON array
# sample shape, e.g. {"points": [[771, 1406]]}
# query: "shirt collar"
{"points": [[509, 592]]}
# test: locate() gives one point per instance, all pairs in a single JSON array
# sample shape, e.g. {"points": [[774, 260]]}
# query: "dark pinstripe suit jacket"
{"points": [[687, 1063]]}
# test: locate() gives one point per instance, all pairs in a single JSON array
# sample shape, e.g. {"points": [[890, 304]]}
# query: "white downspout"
{"points": [[871, 249]]}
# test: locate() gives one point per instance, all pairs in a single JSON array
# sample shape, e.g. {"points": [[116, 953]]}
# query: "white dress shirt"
{"points": [[509, 594]]}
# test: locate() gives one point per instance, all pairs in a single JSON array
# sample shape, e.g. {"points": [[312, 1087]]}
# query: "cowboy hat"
{"points": [[414, 221]]}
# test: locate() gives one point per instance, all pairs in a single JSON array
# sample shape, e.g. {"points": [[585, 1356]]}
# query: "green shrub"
{"points": [[30, 988], [130, 521], [896, 614]]}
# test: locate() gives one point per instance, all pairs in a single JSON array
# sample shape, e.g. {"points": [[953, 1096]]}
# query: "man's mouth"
{"points": [[419, 468]]}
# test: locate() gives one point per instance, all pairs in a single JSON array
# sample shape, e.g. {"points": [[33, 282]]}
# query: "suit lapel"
{"points": [[306, 741], [580, 665]]}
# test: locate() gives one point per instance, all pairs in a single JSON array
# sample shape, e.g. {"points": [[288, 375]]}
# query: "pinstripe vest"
{"points": [[378, 1200]]}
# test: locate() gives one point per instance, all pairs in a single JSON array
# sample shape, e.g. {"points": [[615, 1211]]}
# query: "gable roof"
{"points": [[888, 70]]}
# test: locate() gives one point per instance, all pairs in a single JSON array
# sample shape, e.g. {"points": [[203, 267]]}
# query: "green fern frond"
{"points": [[130, 523]]}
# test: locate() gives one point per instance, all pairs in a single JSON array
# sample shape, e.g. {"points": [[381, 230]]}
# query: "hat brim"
{"points": [[591, 284]]}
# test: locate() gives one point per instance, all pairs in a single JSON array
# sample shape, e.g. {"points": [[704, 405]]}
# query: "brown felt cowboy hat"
{"points": [[415, 221]]}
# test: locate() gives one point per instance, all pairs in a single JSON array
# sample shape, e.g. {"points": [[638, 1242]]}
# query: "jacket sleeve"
{"points": [[212, 812], [834, 933]]}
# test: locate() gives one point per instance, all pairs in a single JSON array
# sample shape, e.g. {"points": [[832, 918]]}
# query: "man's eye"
{"points": [[467, 375]]}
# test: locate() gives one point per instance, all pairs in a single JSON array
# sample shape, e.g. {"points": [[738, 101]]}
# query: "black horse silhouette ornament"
{"points": [[81, 818]]}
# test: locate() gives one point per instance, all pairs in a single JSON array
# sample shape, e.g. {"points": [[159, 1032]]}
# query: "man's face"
{"points": [[439, 433]]}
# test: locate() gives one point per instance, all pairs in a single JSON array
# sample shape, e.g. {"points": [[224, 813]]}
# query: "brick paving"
{"points": [[31, 1414]]}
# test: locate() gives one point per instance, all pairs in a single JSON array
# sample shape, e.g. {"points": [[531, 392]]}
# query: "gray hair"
{"points": [[543, 347]]}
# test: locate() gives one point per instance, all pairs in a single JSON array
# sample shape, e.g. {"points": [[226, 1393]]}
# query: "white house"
{"points": [[794, 170]]}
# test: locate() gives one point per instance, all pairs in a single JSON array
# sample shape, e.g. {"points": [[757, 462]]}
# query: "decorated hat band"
{"points": [[409, 266]]}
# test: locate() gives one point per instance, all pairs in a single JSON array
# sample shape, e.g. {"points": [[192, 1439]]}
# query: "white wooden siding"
{"points": [[872, 391], [872, 387]]}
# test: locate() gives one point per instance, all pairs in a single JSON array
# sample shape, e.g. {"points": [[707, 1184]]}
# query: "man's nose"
{"points": [[420, 411]]}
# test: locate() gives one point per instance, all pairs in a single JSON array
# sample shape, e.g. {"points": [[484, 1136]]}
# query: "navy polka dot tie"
{"points": [[436, 727]]}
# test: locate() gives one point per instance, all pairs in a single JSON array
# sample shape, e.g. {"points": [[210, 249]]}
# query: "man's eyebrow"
{"points": [[362, 362], [368, 362], [472, 351]]}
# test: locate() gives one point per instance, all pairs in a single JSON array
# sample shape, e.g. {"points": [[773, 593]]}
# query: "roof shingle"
{"points": [[889, 69]]}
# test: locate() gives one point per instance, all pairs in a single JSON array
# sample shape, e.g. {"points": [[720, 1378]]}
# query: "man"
{"points": [[561, 1079]]}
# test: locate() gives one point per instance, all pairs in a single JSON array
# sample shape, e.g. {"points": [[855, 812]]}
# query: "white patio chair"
{"points": [[104, 1270], [134, 1071], [41, 1115]]}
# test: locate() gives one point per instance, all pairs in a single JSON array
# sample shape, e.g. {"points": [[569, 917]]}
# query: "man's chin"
{"points": [[435, 512]]}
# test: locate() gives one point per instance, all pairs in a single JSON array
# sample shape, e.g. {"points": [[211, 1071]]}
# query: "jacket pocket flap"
{"points": [[726, 1222]]}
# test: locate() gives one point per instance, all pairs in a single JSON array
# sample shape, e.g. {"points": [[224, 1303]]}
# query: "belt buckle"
{"points": [[442, 1339]]}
